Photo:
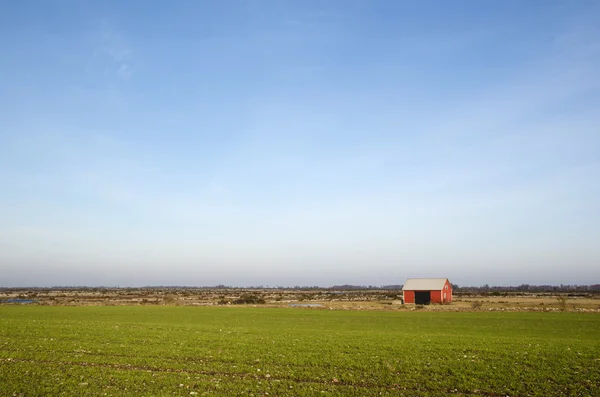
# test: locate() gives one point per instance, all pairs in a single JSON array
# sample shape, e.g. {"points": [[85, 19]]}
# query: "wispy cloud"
{"points": [[112, 50]]}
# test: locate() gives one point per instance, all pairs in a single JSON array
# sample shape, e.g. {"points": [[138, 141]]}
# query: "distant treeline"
{"points": [[530, 288], [345, 287]]}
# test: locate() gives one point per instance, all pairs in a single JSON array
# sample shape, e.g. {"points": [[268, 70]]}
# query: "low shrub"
{"points": [[249, 299], [562, 301], [476, 305]]}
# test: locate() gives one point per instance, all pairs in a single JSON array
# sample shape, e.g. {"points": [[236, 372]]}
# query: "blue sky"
{"points": [[249, 142]]}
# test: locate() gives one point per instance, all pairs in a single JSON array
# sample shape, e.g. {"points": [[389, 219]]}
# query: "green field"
{"points": [[183, 351]]}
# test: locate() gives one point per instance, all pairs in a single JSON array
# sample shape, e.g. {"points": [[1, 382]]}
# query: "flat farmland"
{"points": [[223, 351]]}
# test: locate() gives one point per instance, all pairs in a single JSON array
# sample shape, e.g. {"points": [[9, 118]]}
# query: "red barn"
{"points": [[424, 291]]}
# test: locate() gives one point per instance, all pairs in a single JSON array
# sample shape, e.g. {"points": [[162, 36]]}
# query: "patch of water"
{"points": [[17, 300]]}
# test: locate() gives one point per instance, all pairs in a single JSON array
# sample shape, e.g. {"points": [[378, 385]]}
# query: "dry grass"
{"points": [[329, 300]]}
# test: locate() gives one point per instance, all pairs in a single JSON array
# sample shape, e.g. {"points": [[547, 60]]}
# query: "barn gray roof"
{"points": [[424, 284]]}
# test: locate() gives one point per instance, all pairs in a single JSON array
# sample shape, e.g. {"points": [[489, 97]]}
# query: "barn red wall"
{"points": [[409, 297], [448, 291], [436, 296]]}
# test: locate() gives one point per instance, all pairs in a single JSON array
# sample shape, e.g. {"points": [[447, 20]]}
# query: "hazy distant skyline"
{"points": [[299, 142]]}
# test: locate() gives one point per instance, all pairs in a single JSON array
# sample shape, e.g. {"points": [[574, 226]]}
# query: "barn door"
{"points": [[422, 297]]}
